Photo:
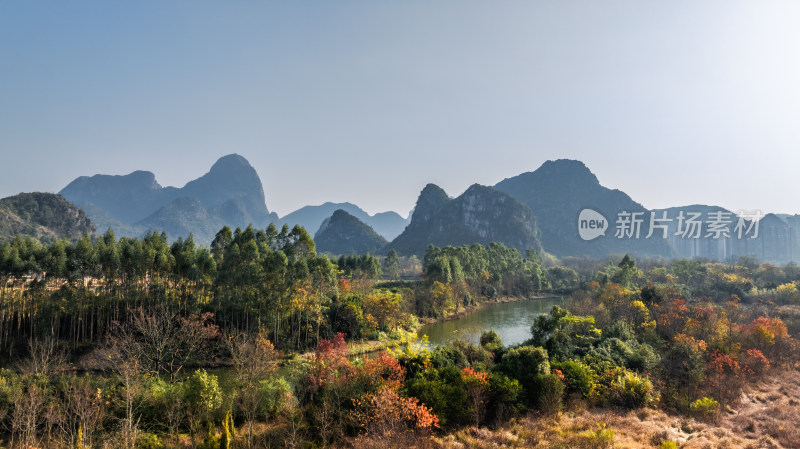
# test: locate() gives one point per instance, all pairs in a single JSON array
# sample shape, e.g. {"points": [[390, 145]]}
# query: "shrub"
{"points": [[477, 356], [525, 364], [443, 390], [666, 444], [210, 441], [704, 408], [602, 438], [203, 395], [149, 441], [579, 378], [631, 390], [550, 393], [505, 396], [443, 356], [492, 342], [644, 358]]}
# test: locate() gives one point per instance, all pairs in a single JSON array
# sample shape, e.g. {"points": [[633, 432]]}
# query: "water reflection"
{"points": [[511, 320]]}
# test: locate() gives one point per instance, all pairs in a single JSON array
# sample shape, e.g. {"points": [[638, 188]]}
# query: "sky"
{"points": [[675, 103]]}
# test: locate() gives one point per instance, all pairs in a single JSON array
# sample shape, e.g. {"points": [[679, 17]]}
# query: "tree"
{"points": [[526, 364], [165, 342], [254, 360], [627, 272], [391, 265], [477, 384], [203, 396], [387, 416], [384, 307], [684, 366], [226, 435]]}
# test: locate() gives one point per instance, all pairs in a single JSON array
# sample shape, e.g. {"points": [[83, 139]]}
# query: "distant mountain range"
{"points": [[536, 210], [230, 193], [387, 224], [43, 216]]}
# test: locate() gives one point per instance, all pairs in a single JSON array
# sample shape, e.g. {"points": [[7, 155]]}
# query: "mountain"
{"points": [[232, 188], [229, 194], [126, 198], [559, 190], [342, 233], [480, 215], [181, 217], [42, 216], [387, 224]]}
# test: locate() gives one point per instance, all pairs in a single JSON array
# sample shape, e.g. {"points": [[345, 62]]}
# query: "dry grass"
{"points": [[766, 417], [771, 410]]}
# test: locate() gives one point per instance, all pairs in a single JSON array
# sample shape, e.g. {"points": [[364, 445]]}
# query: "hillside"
{"points": [[480, 215], [42, 216], [342, 233], [557, 192], [230, 193]]}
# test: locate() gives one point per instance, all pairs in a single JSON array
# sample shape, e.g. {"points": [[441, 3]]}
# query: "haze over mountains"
{"points": [[387, 224], [535, 210], [230, 194], [556, 193]]}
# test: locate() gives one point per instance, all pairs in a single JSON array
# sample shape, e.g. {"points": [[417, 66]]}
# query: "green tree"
{"points": [[203, 396], [391, 265]]}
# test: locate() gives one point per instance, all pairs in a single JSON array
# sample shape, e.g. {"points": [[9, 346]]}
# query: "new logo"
{"points": [[591, 224]]}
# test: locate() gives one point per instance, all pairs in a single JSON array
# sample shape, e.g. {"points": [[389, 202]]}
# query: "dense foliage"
{"points": [[140, 343]]}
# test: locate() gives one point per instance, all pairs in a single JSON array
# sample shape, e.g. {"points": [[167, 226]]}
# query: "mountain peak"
{"points": [[342, 233], [567, 170], [231, 163], [430, 200], [480, 215]]}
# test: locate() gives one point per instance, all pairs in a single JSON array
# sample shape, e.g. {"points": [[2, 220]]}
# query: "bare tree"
{"points": [[165, 342], [84, 409], [45, 358], [254, 359], [27, 418]]}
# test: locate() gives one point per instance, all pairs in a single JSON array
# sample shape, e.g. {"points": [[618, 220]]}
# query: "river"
{"points": [[511, 320]]}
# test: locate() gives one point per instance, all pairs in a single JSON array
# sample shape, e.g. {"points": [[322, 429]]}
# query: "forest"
{"points": [[258, 341]]}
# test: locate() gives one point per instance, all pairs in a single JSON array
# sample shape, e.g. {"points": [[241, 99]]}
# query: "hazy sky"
{"points": [[367, 101]]}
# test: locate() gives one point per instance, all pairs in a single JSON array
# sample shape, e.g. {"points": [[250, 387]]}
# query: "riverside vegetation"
{"points": [[139, 343]]}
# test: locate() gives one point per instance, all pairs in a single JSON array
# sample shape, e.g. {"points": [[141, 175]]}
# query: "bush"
{"points": [[149, 441], [477, 356], [579, 378], [273, 391], [602, 438], [631, 390], [162, 404], [644, 359], [505, 396], [666, 444], [704, 408], [443, 356], [492, 342], [443, 390], [526, 364], [550, 393], [203, 395]]}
